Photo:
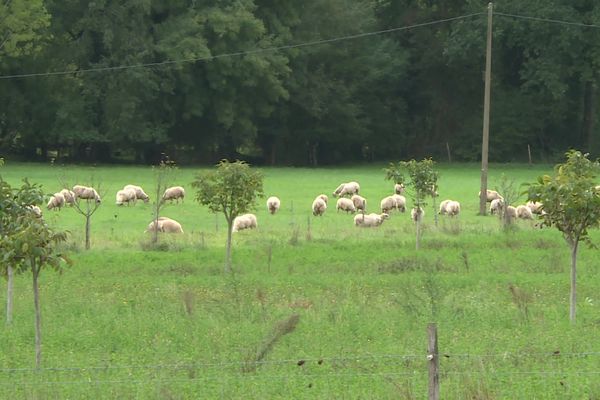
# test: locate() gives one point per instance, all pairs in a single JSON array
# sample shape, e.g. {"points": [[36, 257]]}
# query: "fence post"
{"points": [[434, 362]]}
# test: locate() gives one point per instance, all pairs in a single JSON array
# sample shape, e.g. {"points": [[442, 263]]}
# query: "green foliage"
{"points": [[231, 189], [421, 178], [22, 27], [570, 199]]}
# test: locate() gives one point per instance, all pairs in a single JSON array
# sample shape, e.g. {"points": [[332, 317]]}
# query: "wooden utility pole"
{"points": [[434, 362], [486, 115]]}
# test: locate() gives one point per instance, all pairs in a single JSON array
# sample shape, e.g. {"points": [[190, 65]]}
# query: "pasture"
{"points": [[129, 321]]}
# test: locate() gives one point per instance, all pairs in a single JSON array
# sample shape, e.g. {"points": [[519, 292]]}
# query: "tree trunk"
{"points": [[418, 224], [9, 294], [228, 249], [573, 281], [38, 317], [87, 230], [435, 214]]}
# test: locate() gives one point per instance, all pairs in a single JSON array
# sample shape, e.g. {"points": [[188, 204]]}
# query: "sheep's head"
{"points": [[385, 216]]}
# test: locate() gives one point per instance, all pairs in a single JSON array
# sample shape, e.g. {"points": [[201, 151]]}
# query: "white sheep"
{"points": [[496, 206], [443, 207], [56, 201], [125, 196], [511, 212], [166, 225], [370, 220], [323, 197], [319, 206], [246, 221], [524, 212], [360, 203], [399, 188], [349, 188], [86, 193], [535, 207], [345, 204], [273, 204], [174, 193], [35, 210], [417, 214], [452, 208], [139, 192], [69, 196], [491, 195], [399, 202], [387, 204]]}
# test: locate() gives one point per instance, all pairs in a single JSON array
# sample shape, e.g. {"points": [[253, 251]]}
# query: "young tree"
{"points": [[571, 203], [14, 205], [421, 183], [87, 207], [231, 189], [163, 176]]}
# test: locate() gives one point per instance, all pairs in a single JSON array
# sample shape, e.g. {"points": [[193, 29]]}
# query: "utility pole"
{"points": [[486, 115]]}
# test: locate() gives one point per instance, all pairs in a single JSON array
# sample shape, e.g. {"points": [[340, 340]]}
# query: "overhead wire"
{"points": [[554, 21], [237, 53]]}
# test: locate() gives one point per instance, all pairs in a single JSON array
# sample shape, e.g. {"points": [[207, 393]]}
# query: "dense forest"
{"points": [[295, 82]]}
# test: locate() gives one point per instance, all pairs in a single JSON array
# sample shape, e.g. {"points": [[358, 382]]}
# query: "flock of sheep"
{"points": [[348, 201]]}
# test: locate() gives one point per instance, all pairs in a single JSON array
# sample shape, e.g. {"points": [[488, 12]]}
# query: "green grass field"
{"points": [[126, 322]]}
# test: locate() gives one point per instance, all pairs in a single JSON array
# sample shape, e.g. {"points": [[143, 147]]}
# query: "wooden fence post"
{"points": [[434, 362]]}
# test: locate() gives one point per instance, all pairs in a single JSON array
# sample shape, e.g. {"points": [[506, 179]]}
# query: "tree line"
{"points": [[262, 80]]}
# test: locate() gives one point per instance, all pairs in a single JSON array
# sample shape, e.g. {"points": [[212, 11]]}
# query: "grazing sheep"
{"points": [[349, 188], [370, 220], [535, 207], [524, 212], [86, 193], [360, 203], [496, 206], [166, 225], [491, 195], [443, 207], [323, 197], [345, 204], [452, 208], [139, 192], [125, 196], [35, 210], [511, 212], [174, 193], [273, 204], [399, 188], [417, 214], [400, 202], [69, 196], [246, 221], [319, 206], [56, 201], [387, 204]]}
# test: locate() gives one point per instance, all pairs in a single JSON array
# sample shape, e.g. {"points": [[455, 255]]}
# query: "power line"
{"points": [[238, 53], [553, 21]]}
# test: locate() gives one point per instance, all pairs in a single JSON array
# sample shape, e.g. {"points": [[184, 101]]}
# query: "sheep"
{"points": [[399, 188], [443, 207], [246, 221], [524, 212], [417, 214], [491, 195], [345, 204], [86, 193], [511, 212], [496, 206], [69, 196], [273, 204], [535, 207], [349, 188], [452, 208], [387, 204], [125, 196], [56, 201], [174, 193], [139, 192], [370, 220], [35, 210], [360, 203], [323, 197], [400, 202], [319, 206], [166, 225]]}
